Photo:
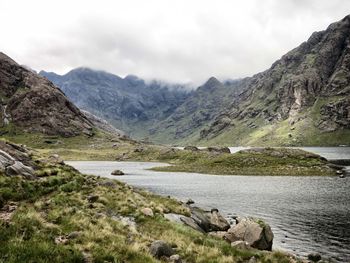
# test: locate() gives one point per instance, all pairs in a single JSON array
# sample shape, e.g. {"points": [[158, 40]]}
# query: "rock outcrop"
{"points": [[256, 233], [33, 104], [14, 160]]}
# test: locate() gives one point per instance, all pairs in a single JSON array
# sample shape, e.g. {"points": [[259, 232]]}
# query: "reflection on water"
{"points": [[307, 214]]}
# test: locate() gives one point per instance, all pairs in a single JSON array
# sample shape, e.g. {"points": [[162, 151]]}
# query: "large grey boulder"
{"points": [[11, 167], [217, 221], [209, 220], [254, 231]]}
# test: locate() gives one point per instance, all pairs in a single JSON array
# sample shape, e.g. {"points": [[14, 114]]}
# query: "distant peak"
{"points": [[212, 83]]}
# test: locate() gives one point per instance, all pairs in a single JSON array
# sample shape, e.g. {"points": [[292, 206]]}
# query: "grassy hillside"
{"points": [[65, 216]]}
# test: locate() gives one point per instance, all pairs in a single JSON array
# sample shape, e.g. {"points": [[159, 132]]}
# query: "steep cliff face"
{"points": [[308, 88], [33, 104]]}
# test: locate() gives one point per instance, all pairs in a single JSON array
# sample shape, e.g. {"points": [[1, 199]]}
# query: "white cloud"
{"points": [[177, 40]]}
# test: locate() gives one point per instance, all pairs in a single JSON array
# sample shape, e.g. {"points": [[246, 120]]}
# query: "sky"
{"points": [[182, 41]]}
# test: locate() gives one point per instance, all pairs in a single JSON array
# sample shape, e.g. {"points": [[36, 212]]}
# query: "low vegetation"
{"points": [[65, 216], [265, 161]]}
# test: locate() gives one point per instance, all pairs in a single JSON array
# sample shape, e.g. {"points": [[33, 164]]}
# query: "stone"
{"points": [[92, 198], [219, 149], [160, 248], [217, 221], [19, 168], [117, 172], [191, 223], [189, 201], [147, 211], [12, 167], [175, 259], [201, 218], [239, 244], [74, 234], [61, 240], [254, 231], [314, 257]]}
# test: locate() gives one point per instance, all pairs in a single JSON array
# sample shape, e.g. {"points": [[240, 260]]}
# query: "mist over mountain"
{"points": [[129, 103], [303, 99]]}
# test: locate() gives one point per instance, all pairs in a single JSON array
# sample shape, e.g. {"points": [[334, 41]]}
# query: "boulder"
{"points": [[189, 202], [191, 223], [19, 168], [217, 221], [219, 149], [184, 220], [314, 257], [117, 172], [159, 249], [254, 231], [12, 167], [209, 221], [147, 211], [201, 218]]}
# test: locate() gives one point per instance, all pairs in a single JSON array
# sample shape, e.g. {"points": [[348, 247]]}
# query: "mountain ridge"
{"points": [[302, 99]]}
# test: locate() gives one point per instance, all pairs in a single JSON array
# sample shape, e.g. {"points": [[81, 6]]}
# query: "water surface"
{"points": [[307, 214]]}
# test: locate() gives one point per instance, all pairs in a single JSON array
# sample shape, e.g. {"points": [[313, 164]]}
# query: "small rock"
{"points": [[189, 202], [252, 260], [92, 198], [175, 259], [339, 172], [61, 240], [117, 172], [147, 211], [74, 234], [314, 257], [240, 245], [159, 249]]}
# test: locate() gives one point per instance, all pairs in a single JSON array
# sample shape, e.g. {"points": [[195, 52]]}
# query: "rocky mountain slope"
{"points": [[129, 103], [304, 98], [33, 104]]}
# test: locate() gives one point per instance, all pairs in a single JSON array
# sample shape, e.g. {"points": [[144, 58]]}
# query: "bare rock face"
{"points": [[13, 161], [34, 104], [314, 77], [254, 232]]}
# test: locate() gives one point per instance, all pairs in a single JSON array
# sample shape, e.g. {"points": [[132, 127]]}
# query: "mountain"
{"points": [[33, 104], [196, 112], [303, 99], [129, 103]]}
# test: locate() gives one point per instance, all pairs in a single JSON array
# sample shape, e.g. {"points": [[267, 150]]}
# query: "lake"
{"points": [[307, 214]]}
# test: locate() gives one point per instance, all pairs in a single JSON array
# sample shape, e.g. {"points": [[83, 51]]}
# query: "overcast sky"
{"points": [[171, 40]]}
